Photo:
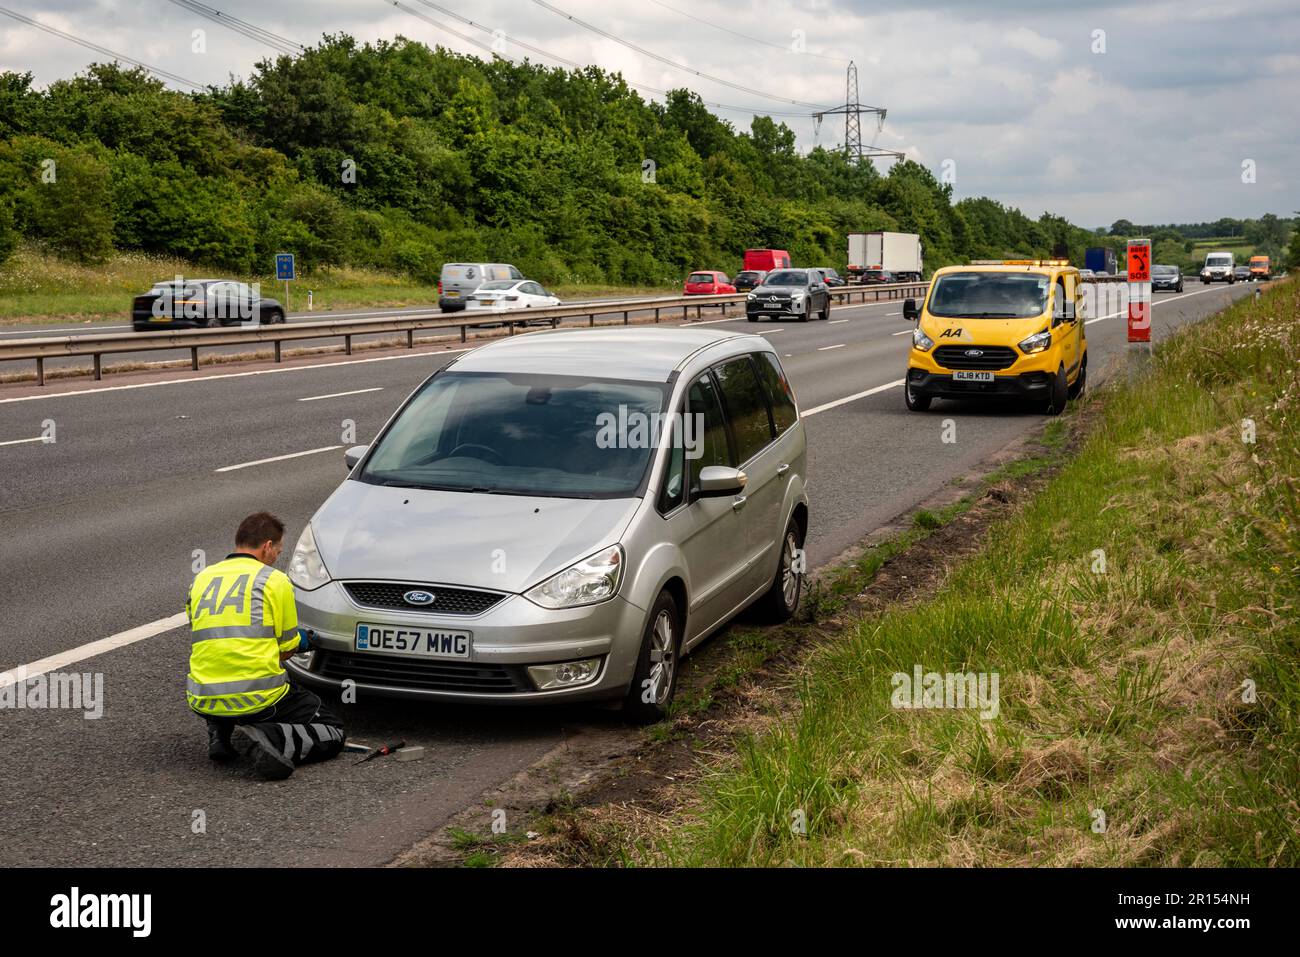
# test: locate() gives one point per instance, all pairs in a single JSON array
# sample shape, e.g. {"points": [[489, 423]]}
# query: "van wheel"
{"points": [[655, 680], [781, 601], [915, 403], [1081, 383], [1060, 394]]}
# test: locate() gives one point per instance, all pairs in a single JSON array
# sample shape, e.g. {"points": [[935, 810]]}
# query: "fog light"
{"points": [[566, 674]]}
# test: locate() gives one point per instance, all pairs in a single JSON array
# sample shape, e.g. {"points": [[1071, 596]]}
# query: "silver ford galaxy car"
{"points": [[560, 517]]}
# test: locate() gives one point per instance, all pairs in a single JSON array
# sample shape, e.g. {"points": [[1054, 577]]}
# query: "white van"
{"points": [[461, 280], [1219, 268]]}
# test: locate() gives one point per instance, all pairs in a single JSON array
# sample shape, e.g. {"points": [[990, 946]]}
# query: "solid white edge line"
{"points": [[39, 438], [64, 658], [337, 395], [277, 458], [234, 375], [851, 398]]}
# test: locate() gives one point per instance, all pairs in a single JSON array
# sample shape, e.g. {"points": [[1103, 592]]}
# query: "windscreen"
{"points": [[1223, 260], [989, 295], [788, 277], [561, 436]]}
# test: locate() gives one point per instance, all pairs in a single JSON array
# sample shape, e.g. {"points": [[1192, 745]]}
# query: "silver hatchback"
{"points": [[560, 517]]}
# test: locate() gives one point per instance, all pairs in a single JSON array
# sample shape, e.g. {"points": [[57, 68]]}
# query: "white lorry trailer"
{"points": [[896, 253]]}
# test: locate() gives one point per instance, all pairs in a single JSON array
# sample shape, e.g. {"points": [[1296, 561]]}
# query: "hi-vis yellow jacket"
{"points": [[243, 616]]}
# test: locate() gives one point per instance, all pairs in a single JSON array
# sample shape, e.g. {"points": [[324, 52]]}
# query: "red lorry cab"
{"points": [[767, 259], [707, 283]]}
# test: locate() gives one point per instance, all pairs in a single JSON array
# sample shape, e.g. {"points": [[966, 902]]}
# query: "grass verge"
{"points": [[1139, 614]]}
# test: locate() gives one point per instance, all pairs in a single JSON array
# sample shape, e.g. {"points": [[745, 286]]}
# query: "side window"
{"points": [[746, 407], [1058, 307], [673, 491], [515, 273], [533, 289], [706, 433], [779, 394]]}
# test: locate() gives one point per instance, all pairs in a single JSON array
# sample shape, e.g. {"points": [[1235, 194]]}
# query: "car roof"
{"points": [[1002, 267], [650, 354]]}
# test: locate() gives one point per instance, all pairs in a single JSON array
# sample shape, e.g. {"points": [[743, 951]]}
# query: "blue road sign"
{"points": [[284, 266]]}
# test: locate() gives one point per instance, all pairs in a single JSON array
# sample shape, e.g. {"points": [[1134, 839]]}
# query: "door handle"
{"points": [[784, 467], [739, 503]]}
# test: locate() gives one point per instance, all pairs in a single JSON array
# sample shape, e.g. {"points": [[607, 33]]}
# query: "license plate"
{"points": [[426, 642], [487, 302], [772, 305], [452, 294], [967, 376]]}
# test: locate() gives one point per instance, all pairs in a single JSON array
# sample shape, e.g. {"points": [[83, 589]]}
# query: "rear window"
{"points": [[700, 277]]}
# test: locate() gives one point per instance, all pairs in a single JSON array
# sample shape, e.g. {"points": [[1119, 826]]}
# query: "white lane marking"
{"points": [[834, 321], [893, 314], [233, 375], [277, 458], [824, 348], [1154, 303], [768, 332], [903, 333], [82, 652], [852, 398], [336, 395], [39, 438]]}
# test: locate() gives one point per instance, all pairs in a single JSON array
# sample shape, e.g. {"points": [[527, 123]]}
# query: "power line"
{"points": [[746, 36], [160, 73], [672, 63], [273, 40], [556, 57]]}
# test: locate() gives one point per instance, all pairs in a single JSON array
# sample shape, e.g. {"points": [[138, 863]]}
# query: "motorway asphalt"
{"points": [[101, 528]]}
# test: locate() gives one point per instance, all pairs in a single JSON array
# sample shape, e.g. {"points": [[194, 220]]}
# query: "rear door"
{"points": [[461, 279]]}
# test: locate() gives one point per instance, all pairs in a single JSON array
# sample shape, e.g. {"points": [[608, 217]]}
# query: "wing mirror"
{"points": [[353, 455], [719, 480], [910, 311]]}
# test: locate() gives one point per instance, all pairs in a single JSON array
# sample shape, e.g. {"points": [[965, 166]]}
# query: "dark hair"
{"points": [[258, 528]]}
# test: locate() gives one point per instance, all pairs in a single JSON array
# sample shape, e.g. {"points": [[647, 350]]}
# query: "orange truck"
{"points": [[1259, 268]]}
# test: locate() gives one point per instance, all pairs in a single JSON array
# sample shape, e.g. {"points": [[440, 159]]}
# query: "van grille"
{"points": [[447, 600], [990, 357]]}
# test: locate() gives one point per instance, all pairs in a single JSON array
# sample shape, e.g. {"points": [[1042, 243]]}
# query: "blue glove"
{"points": [[304, 641]]}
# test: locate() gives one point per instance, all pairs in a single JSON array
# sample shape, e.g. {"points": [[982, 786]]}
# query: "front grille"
{"points": [[424, 674], [990, 357], [447, 600]]}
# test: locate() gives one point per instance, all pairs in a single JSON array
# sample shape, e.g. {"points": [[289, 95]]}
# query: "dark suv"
{"points": [[749, 279], [793, 293]]}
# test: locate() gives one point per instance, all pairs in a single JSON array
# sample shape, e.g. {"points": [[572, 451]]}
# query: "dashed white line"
{"points": [[39, 438], [852, 398], [825, 348], [337, 395], [834, 321], [903, 333], [73, 655], [277, 458]]}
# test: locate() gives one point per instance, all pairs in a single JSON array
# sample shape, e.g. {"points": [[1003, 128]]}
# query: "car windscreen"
{"points": [[989, 295], [1163, 270], [559, 436], [787, 277]]}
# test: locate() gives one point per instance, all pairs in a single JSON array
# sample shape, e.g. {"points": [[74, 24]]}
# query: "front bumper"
{"points": [[787, 310], [505, 639], [940, 385]]}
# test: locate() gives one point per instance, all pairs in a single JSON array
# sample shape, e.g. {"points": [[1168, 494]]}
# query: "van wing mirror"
{"points": [[353, 455], [910, 311], [719, 480], [1067, 310]]}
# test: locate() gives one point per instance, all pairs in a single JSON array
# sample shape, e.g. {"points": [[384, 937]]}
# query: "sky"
{"points": [[1150, 111]]}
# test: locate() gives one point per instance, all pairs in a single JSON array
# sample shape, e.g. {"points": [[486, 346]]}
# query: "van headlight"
{"points": [[921, 341], [594, 579], [306, 570], [1037, 342]]}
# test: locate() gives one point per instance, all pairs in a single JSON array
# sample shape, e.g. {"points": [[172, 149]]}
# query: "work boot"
{"points": [[219, 746], [269, 761]]}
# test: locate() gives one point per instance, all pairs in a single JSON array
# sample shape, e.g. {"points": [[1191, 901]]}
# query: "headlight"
{"points": [[591, 580], [752, 296], [921, 341], [306, 570], [1036, 343]]}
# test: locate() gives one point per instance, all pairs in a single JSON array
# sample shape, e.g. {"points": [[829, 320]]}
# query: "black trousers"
{"points": [[299, 724]]}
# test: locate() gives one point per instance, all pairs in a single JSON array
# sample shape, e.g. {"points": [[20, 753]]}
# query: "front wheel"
{"points": [[655, 680], [1060, 394], [826, 311], [751, 317], [781, 600], [276, 317], [915, 403]]}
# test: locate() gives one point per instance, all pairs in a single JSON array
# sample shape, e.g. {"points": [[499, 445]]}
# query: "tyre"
{"points": [[807, 308], [826, 311], [1180, 286], [915, 403], [212, 322], [655, 680], [1081, 383], [751, 316], [1055, 404], [781, 600], [276, 317]]}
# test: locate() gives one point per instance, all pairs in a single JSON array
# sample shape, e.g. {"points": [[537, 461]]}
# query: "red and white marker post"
{"points": [[1139, 290]]}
